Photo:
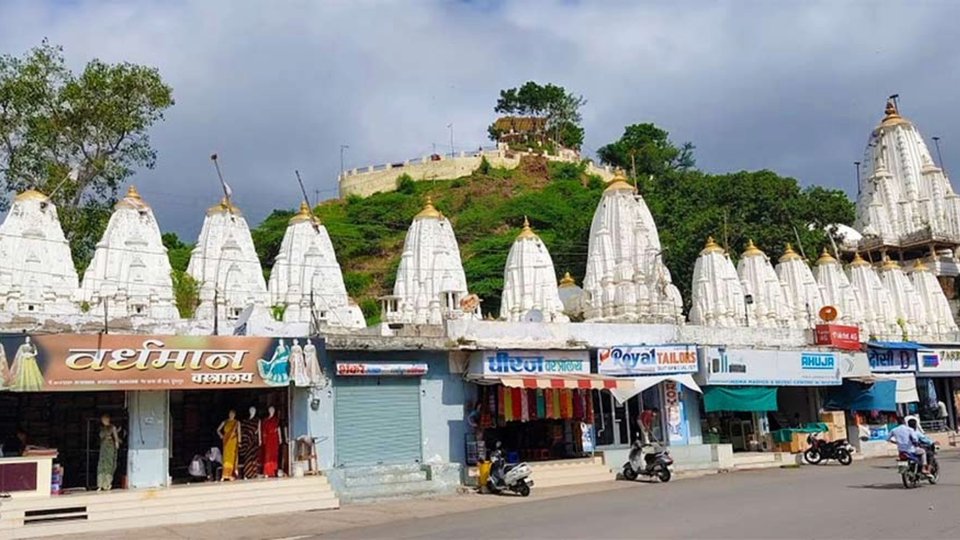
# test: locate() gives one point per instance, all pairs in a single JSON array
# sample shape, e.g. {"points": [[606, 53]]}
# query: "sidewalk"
{"points": [[289, 526]]}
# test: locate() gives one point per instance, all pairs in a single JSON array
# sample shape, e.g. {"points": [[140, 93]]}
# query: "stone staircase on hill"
{"points": [[360, 484], [94, 512]]}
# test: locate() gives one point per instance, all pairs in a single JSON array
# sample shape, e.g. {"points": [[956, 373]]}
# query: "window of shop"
{"points": [[69, 423]]}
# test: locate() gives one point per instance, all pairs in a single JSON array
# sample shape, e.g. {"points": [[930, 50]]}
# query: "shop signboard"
{"points": [[935, 362], [586, 438], [377, 369], [884, 360], [520, 362], [757, 367], [88, 362], [837, 336], [673, 406], [647, 360]]}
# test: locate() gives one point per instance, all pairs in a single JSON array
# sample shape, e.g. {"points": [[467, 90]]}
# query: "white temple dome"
{"points": [[306, 278], [130, 269], [529, 280], [801, 288], [770, 307], [838, 293], [717, 293]]}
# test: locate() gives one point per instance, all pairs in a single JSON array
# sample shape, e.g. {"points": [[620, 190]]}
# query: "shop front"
{"points": [[938, 387], [756, 399], [657, 398], [539, 405], [139, 411]]}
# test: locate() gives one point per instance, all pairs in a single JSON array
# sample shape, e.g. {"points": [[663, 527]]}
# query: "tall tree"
{"points": [[76, 136], [555, 105], [645, 149]]}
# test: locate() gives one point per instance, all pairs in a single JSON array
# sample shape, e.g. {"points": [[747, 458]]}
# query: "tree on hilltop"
{"points": [[546, 113], [76, 136], [645, 149]]}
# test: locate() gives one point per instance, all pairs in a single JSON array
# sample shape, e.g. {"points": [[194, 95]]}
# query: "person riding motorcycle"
{"points": [[907, 439], [925, 442]]}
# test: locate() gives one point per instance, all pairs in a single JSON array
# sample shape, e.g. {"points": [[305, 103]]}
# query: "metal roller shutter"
{"points": [[377, 422]]}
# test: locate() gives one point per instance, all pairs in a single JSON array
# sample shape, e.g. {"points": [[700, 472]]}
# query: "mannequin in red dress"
{"points": [[272, 437]]}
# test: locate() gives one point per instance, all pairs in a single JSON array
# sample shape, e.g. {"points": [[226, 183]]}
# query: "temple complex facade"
{"points": [[306, 278], [37, 275], [530, 281], [431, 284], [626, 279], [129, 275]]}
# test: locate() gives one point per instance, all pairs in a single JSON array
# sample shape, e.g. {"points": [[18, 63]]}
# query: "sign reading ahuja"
{"points": [[87, 362]]}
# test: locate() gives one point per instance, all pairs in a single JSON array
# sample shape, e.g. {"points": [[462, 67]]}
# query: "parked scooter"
{"points": [[911, 470], [653, 464], [503, 477], [821, 450]]}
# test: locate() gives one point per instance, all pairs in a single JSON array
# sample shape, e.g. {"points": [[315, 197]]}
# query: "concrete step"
{"points": [[587, 477], [563, 472], [193, 515], [747, 460], [380, 470], [562, 463], [392, 478], [390, 491]]}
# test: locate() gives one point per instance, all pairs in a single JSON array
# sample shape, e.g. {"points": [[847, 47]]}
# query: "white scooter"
{"points": [[503, 477]]}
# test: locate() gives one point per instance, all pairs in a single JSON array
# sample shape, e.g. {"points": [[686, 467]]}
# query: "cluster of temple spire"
{"points": [[626, 279]]}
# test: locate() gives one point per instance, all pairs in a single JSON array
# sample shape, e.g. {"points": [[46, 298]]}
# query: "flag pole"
{"points": [[226, 189]]}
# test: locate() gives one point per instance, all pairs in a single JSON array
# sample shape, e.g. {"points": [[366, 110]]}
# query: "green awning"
{"points": [[740, 398]]}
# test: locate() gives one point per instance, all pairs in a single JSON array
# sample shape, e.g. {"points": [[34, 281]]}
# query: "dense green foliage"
{"points": [[487, 211], [76, 136], [644, 150]]}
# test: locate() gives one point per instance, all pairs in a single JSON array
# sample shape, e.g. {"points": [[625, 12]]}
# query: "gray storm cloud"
{"points": [[278, 86]]}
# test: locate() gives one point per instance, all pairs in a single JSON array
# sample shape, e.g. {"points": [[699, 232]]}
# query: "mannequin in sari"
{"points": [[4, 368], [250, 445], [25, 374], [314, 373], [298, 367], [272, 438], [229, 433]]}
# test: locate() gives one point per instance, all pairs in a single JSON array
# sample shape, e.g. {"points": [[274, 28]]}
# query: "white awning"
{"points": [[623, 392], [906, 385]]}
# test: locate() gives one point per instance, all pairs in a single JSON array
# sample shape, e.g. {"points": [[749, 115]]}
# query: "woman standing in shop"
{"points": [[109, 445]]}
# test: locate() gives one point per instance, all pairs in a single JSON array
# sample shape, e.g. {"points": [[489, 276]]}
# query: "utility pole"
{"points": [[342, 148], [450, 125], [316, 197]]}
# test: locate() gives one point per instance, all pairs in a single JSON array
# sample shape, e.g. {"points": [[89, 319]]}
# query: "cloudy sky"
{"points": [[280, 85]]}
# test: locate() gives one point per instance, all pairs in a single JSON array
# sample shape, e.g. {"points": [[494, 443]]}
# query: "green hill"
{"points": [[487, 210]]}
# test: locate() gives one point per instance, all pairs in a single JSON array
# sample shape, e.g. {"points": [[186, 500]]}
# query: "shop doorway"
{"points": [[70, 423], [196, 414], [377, 421]]}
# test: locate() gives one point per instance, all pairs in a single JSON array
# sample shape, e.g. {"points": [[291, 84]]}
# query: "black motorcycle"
{"points": [[821, 450], [910, 469]]}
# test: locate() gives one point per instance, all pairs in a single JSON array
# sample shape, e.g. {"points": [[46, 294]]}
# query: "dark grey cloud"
{"points": [[278, 86]]}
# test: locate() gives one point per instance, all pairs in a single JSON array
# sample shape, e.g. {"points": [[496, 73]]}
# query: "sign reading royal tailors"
{"points": [[645, 359], [79, 362], [376, 369], [531, 363]]}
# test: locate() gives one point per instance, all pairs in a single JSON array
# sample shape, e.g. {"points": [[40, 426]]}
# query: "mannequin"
{"points": [[109, 444], [229, 433], [272, 439], [25, 375], [250, 445], [4, 368], [298, 368], [314, 373]]}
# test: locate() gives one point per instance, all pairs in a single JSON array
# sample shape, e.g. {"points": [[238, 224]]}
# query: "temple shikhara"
{"points": [[626, 279], [530, 281]]}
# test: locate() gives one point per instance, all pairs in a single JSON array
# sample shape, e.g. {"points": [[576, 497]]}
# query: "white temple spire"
{"points": [[771, 308], [800, 287], [529, 280], [717, 291], [837, 291]]}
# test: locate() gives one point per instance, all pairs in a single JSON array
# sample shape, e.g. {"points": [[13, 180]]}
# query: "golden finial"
{"points": [[919, 266], [305, 214], [31, 195], [223, 207], [429, 211], [752, 250], [711, 247], [889, 264], [619, 182], [825, 257], [567, 280], [891, 116], [789, 254], [858, 260], [527, 232], [132, 192], [131, 199]]}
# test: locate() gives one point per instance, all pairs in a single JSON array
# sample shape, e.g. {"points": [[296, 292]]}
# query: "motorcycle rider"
{"points": [[907, 438], [925, 443]]}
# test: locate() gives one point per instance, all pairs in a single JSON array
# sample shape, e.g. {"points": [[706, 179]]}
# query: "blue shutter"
{"points": [[377, 421]]}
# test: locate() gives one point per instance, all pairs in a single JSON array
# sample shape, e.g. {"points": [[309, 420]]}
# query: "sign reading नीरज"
{"points": [[88, 362]]}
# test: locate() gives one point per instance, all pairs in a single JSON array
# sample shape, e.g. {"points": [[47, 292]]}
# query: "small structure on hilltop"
{"points": [[626, 279], [225, 264], [431, 284], [717, 292], [767, 304], [837, 292], [529, 281], [306, 278], [130, 270], [800, 287], [37, 275]]}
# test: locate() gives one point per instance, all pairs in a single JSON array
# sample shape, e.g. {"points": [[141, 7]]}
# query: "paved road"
{"points": [[865, 500]]}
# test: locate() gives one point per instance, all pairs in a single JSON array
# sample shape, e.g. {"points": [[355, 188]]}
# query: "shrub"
{"points": [[186, 293]]}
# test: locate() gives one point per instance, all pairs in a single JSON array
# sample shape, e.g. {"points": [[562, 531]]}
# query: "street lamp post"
{"points": [[450, 125], [342, 148]]}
